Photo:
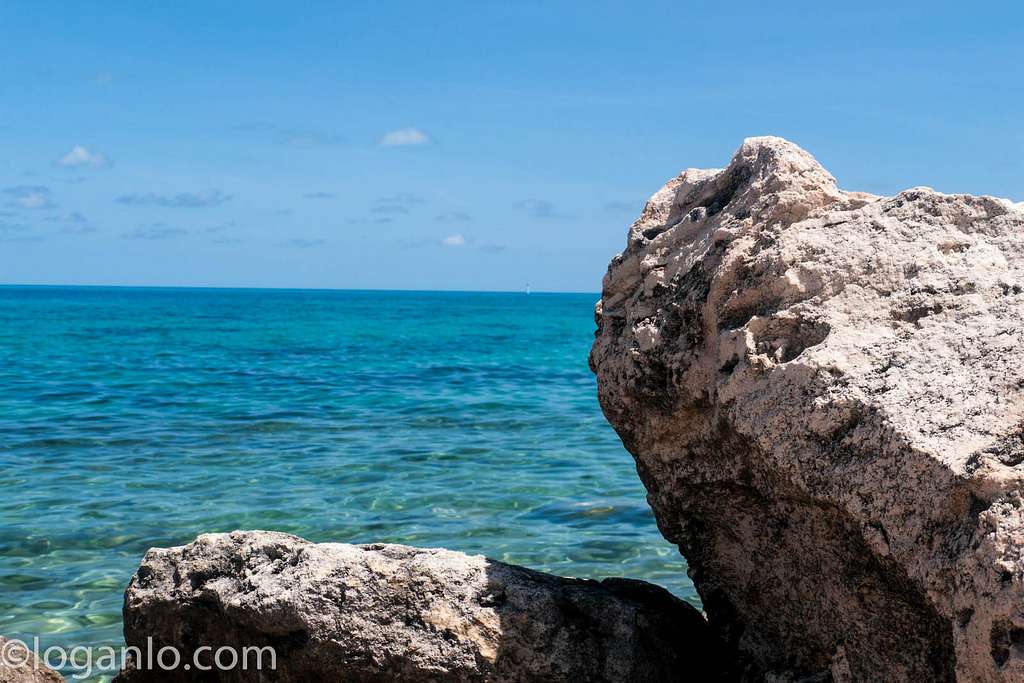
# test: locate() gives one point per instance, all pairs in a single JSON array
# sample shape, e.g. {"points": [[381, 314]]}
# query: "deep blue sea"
{"points": [[132, 418]]}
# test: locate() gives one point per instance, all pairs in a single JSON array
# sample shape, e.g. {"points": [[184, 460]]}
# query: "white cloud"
{"points": [[405, 137], [456, 240], [29, 197], [184, 199], [80, 157]]}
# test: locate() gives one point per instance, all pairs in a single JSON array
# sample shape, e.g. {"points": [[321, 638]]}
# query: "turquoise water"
{"points": [[132, 418]]}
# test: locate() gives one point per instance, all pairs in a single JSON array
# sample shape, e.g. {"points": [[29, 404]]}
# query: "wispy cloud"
{"points": [[309, 139], [451, 241], [319, 195], [154, 231], [368, 221], [405, 137], [390, 208], [302, 243], [73, 224], [400, 203], [537, 208], [29, 197], [288, 136], [453, 217], [220, 228], [401, 198], [206, 198], [13, 232], [420, 243], [252, 127], [80, 157]]}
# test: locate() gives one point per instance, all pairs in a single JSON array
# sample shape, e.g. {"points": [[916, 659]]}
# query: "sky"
{"points": [[458, 145]]}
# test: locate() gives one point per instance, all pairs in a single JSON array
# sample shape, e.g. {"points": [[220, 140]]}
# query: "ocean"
{"points": [[133, 418]]}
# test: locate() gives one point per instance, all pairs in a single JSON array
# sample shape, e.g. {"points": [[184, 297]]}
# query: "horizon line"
{"points": [[287, 289]]}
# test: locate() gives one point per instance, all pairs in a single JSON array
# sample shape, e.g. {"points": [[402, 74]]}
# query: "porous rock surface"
{"points": [[823, 393], [389, 613], [18, 664]]}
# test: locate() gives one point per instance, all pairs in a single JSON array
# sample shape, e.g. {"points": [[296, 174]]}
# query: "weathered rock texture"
{"points": [[823, 392], [19, 665], [383, 613]]}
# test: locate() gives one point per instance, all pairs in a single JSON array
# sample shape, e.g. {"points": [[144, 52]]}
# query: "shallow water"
{"points": [[132, 418]]}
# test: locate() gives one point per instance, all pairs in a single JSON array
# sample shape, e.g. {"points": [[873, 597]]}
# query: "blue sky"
{"points": [[444, 145]]}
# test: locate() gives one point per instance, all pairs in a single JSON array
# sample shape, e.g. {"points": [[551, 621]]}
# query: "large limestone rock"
{"points": [[389, 613], [824, 392], [18, 664]]}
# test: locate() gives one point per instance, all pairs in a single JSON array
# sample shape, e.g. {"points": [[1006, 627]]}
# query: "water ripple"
{"points": [[134, 418]]}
